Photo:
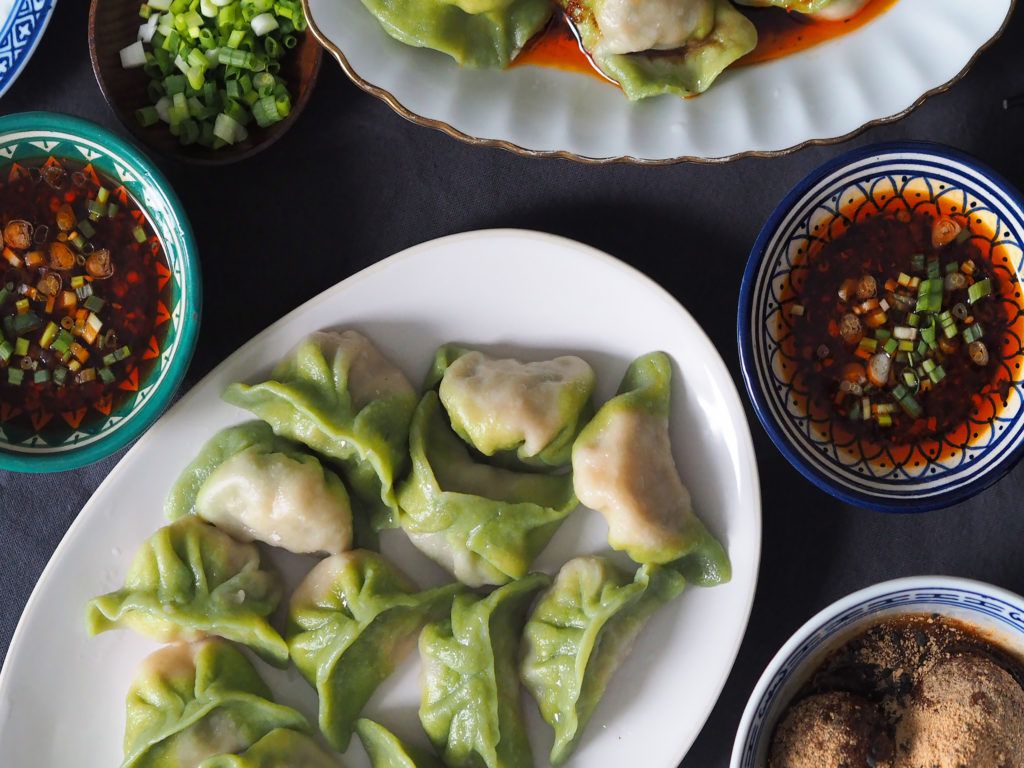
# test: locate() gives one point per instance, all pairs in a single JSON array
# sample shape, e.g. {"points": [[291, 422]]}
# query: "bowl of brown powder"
{"points": [[923, 672]]}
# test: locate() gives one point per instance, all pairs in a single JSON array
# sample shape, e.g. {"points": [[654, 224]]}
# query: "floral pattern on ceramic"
{"points": [[23, 23], [929, 473]]}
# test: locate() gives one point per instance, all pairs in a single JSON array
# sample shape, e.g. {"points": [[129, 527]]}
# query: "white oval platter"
{"points": [[62, 693]]}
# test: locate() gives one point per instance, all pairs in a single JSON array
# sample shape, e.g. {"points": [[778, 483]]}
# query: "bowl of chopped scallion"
{"points": [[207, 81]]}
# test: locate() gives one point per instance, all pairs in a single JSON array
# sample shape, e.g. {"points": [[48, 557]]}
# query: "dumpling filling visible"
{"points": [[631, 26], [627, 473], [283, 501], [499, 405]]}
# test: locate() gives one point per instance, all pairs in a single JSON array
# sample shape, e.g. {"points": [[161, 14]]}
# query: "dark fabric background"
{"points": [[355, 182]]}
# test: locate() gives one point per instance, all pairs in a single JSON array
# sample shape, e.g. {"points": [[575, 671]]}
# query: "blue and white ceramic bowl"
{"points": [[22, 24], [995, 613], [883, 178]]}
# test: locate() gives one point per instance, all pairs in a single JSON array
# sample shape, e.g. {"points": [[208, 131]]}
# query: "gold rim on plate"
{"points": [[388, 98]]}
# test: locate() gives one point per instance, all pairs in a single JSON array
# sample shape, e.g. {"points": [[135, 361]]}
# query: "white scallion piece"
{"points": [[226, 128], [263, 24], [159, 5], [208, 9], [133, 55], [163, 108], [148, 29]]}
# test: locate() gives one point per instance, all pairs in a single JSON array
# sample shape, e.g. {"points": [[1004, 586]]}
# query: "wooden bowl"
{"points": [[113, 24]]}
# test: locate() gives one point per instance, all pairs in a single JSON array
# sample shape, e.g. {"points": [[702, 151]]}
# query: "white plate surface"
{"points": [[62, 693], [875, 72]]}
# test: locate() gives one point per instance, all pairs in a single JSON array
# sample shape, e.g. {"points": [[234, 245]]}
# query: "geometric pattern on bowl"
{"points": [[70, 439], [998, 614], [22, 29], [929, 473]]}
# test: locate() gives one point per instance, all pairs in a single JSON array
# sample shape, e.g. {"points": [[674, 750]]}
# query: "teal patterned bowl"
{"points": [[67, 441]]}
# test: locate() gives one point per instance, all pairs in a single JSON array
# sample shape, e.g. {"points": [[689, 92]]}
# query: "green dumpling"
{"points": [[502, 406], [190, 580], [650, 47], [337, 394], [283, 748], [485, 524], [623, 468], [476, 33], [579, 633], [388, 751], [807, 6], [253, 484], [189, 702], [470, 707], [350, 624]]}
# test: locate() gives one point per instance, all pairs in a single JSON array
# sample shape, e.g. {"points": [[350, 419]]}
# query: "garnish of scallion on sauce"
{"points": [[77, 289], [897, 325], [214, 65]]}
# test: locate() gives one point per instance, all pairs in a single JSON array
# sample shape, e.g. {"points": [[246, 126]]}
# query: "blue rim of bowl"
{"points": [[982, 591], [748, 366], [142, 419], [24, 53]]}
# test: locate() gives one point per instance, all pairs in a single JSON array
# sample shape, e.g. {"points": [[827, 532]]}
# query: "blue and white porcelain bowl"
{"points": [[875, 179], [996, 613]]}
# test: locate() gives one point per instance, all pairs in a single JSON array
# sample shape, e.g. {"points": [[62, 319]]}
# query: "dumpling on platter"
{"points": [[351, 622], [484, 524], [257, 486], [578, 634], [623, 468], [281, 748], [650, 47], [476, 33], [388, 751], [190, 580], [533, 410], [337, 394], [470, 706], [822, 10], [191, 702]]}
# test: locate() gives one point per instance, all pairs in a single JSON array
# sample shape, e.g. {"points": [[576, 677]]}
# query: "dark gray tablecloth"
{"points": [[356, 183]]}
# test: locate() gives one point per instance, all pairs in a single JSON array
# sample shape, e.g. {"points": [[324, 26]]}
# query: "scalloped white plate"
{"points": [[874, 73], [62, 693]]}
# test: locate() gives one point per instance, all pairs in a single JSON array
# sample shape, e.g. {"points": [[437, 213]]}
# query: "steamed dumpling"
{"points": [[388, 751], [476, 33], [497, 405], [191, 702], [189, 581], [337, 394], [824, 10], [650, 47], [257, 486], [351, 622], [281, 748], [580, 631], [623, 468], [287, 501], [470, 706], [485, 524]]}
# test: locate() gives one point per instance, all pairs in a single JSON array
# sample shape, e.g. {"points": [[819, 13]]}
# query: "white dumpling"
{"points": [[631, 26], [839, 10], [371, 376], [499, 404], [626, 471], [288, 502]]}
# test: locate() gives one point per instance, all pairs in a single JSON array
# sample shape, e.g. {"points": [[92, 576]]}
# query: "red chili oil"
{"points": [[884, 245], [133, 305]]}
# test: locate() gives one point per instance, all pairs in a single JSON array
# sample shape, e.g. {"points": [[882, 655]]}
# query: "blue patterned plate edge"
{"points": [[748, 364]]}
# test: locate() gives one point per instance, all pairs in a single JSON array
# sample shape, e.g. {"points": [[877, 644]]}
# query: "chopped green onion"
{"points": [[6, 350], [979, 290], [973, 333], [140, 234], [15, 376], [107, 375]]}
